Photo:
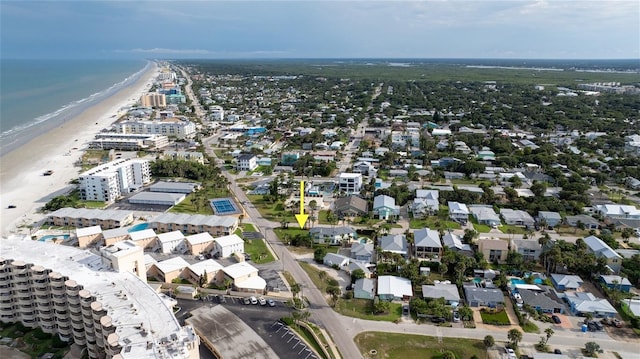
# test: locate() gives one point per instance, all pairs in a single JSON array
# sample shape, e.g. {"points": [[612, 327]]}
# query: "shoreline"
{"points": [[22, 182]]}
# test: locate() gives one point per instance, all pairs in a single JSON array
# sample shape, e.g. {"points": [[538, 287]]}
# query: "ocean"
{"points": [[37, 93]]}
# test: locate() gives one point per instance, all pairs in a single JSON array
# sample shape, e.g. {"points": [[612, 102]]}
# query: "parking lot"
{"points": [[264, 320]]}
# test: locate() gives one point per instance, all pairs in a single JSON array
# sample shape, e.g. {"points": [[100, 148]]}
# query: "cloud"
{"points": [[158, 50], [207, 53]]}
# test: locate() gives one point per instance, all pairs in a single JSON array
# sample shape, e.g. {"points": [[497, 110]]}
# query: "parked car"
{"points": [[510, 353], [221, 298], [271, 302], [456, 316], [556, 319], [438, 320], [253, 300], [557, 351], [262, 301], [247, 300], [11, 206]]}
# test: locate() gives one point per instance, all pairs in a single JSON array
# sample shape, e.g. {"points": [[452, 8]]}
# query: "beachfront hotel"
{"points": [[128, 141], [96, 301], [110, 181], [153, 100], [171, 126]]}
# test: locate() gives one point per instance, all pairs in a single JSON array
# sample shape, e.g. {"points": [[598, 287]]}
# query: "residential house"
{"points": [[582, 219], [170, 241], [246, 162], [615, 282], [350, 182], [332, 235], [442, 290], [350, 206], [115, 235], [542, 300], [88, 236], [426, 203], [384, 207], [427, 244], [364, 288], [581, 303], [494, 250], [564, 282], [167, 270], [145, 238], [365, 168], [598, 247], [454, 243], [517, 217], [394, 288], [616, 211], [550, 219], [199, 243], [485, 214], [483, 297], [458, 212], [529, 248], [364, 267], [338, 260], [362, 252], [204, 272], [226, 246], [394, 243], [244, 278]]}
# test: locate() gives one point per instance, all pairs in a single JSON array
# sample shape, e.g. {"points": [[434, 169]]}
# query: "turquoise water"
{"points": [[44, 91], [138, 227], [477, 280], [515, 281], [51, 237]]}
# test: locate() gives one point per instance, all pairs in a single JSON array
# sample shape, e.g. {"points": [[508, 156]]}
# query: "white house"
{"points": [[225, 246], [425, 203], [333, 259], [458, 212], [350, 182], [247, 162], [394, 288], [618, 211], [427, 243]]}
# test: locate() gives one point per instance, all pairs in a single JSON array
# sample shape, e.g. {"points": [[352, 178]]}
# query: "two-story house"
{"points": [[427, 243]]}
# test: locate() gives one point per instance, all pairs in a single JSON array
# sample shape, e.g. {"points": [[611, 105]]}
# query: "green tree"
{"points": [[448, 355], [357, 274], [380, 306], [591, 349], [465, 312], [335, 292], [514, 336], [548, 333], [319, 254], [488, 341]]}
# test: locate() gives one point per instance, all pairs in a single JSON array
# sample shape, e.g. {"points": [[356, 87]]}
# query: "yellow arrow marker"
{"points": [[302, 218]]}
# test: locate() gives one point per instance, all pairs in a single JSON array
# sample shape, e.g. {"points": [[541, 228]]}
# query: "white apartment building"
{"points": [[226, 246], [153, 100], [128, 141], [247, 162], [632, 144], [170, 126], [217, 113], [350, 182], [111, 180], [72, 293]]}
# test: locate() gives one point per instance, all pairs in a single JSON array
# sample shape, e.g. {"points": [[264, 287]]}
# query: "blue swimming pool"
{"points": [[224, 206], [138, 227], [50, 237], [515, 281]]}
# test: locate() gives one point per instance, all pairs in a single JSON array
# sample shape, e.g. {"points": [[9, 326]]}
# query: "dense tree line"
{"points": [[184, 169]]}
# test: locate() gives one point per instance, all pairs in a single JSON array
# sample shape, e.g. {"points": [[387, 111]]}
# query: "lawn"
{"points": [[312, 272], [433, 223], [481, 228], [402, 346], [507, 228], [498, 318], [285, 234], [361, 308], [257, 248], [271, 211], [190, 206]]}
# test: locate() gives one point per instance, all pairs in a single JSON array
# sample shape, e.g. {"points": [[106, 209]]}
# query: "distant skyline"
{"points": [[563, 29]]}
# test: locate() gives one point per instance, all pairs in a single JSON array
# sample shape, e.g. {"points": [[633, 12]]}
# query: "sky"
{"points": [[549, 29]]}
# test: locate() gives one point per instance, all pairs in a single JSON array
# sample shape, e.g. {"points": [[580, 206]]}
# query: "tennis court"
{"points": [[224, 206]]}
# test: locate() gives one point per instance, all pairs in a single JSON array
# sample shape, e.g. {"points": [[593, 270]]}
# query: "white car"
{"points": [[262, 301], [253, 300], [510, 353]]}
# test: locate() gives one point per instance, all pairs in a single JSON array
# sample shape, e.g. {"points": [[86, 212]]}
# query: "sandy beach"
{"points": [[23, 184]]}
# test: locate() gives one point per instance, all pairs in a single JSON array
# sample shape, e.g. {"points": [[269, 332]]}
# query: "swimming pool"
{"points": [[138, 227], [51, 237], [477, 280], [224, 206], [515, 281]]}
